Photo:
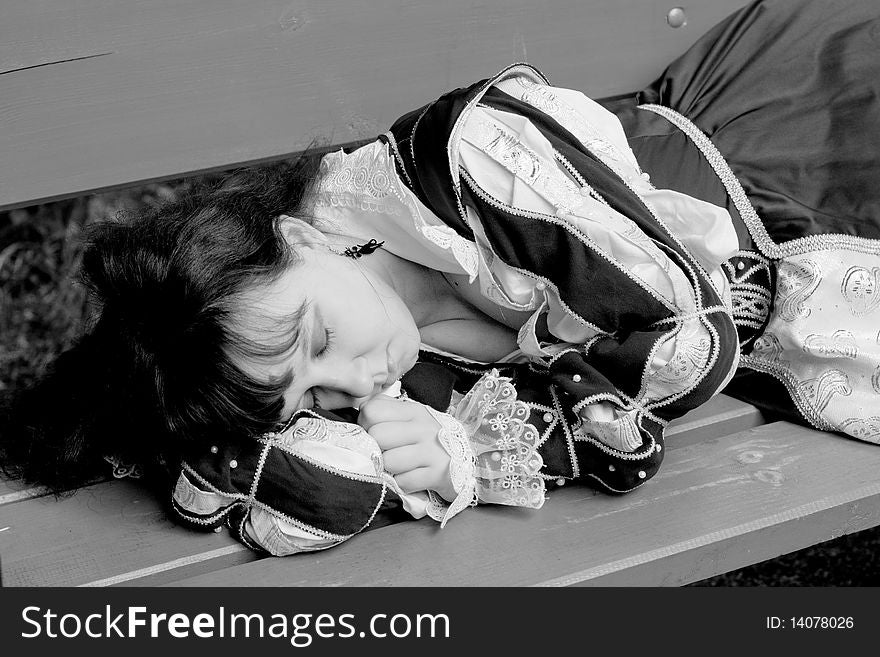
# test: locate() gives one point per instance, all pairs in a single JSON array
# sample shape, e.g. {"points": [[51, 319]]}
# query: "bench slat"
{"points": [[107, 533], [121, 535], [716, 506], [97, 94], [720, 416]]}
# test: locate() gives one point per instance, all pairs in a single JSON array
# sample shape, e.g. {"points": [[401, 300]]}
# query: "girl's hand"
{"points": [[407, 434]]}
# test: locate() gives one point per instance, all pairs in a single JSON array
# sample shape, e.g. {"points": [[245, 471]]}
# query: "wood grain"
{"points": [[720, 416], [106, 534], [97, 94], [715, 506]]}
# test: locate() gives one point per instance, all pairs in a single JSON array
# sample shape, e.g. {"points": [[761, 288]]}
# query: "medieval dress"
{"points": [[661, 249]]}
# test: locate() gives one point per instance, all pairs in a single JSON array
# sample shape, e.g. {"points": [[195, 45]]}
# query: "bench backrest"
{"points": [[96, 95]]}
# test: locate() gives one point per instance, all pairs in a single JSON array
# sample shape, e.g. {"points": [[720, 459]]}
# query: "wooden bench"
{"points": [[97, 95]]}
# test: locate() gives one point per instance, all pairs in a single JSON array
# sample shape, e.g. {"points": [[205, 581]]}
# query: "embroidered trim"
{"points": [[525, 164], [540, 279], [544, 100], [245, 537], [366, 180], [792, 384], [264, 453], [616, 490], [744, 206], [518, 69], [504, 443], [346, 474], [211, 487], [299, 523], [552, 219], [462, 468], [392, 142]]}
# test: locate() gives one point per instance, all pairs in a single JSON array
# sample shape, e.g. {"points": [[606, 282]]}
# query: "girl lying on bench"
{"points": [[511, 289]]}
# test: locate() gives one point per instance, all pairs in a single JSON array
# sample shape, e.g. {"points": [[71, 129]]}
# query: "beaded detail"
{"points": [[750, 291]]}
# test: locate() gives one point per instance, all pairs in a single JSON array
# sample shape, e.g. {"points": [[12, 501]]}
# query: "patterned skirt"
{"points": [[775, 114]]}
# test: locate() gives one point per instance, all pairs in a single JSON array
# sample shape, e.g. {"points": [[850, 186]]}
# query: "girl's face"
{"points": [[356, 336]]}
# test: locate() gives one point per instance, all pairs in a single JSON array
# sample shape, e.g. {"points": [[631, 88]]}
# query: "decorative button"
{"points": [[611, 468], [676, 17], [561, 212], [548, 417], [585, 191], [496, 456], [233, 464], [740, 265], [214, 449], [576, 378], [217, 530], [659, 448], [560, 481], [540, 285], [646, 176], [642, 474]]}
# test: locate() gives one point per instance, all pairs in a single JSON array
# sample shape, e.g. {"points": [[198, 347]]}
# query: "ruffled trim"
{"points": [[462, 469], [504, 443]]}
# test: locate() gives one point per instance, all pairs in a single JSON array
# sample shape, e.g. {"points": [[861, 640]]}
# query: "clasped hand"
{"points": [[407, 434]]}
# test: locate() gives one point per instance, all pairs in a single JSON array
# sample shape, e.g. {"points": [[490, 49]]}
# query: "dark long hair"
{"points": [[156, 371]]}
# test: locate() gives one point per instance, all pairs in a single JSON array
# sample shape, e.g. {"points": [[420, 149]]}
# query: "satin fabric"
{"points": [[788, 92]]}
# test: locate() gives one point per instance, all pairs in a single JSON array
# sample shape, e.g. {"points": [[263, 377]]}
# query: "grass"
{"points": [[43, 309]]}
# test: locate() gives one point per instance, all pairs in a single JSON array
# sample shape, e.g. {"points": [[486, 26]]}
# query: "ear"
{"points": [[298, 233]]}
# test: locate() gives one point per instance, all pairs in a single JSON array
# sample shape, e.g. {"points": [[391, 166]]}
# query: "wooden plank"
{"points": [[119, 535], [108, 533], [720, 416], [717, 505], [96, 94], [13, 491]]}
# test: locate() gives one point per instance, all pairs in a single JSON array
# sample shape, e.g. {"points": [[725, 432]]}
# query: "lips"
{"points": [[396, 369]]}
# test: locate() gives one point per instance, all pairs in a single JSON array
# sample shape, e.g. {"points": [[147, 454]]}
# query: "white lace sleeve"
{"points": [[493, 449], [462, 469]]}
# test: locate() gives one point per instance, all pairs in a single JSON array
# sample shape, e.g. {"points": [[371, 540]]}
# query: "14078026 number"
{"points": [[810, 623]]}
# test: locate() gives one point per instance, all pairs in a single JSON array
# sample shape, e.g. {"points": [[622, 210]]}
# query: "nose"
{"points": [[356, 380]]}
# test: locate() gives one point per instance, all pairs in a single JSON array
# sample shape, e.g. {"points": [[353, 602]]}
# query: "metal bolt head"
{"points": [[676, 17]]}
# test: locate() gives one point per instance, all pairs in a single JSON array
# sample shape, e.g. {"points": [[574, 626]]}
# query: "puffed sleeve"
{"points": [[310, 486]]}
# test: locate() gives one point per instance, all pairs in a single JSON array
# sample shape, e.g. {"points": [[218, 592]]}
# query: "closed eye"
{"points": [[328, 343]]}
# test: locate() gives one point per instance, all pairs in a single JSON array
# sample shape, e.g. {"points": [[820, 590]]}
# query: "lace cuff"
{"points": [[493, 450], [462, 469], [504, 444]]}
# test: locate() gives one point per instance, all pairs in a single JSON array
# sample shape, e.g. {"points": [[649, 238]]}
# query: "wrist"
{"points": [[461, 473]]}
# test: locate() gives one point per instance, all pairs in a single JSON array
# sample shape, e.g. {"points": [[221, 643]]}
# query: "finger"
{"points": [[382, 408], [390, 435], [416, 480], [403, 459]]}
